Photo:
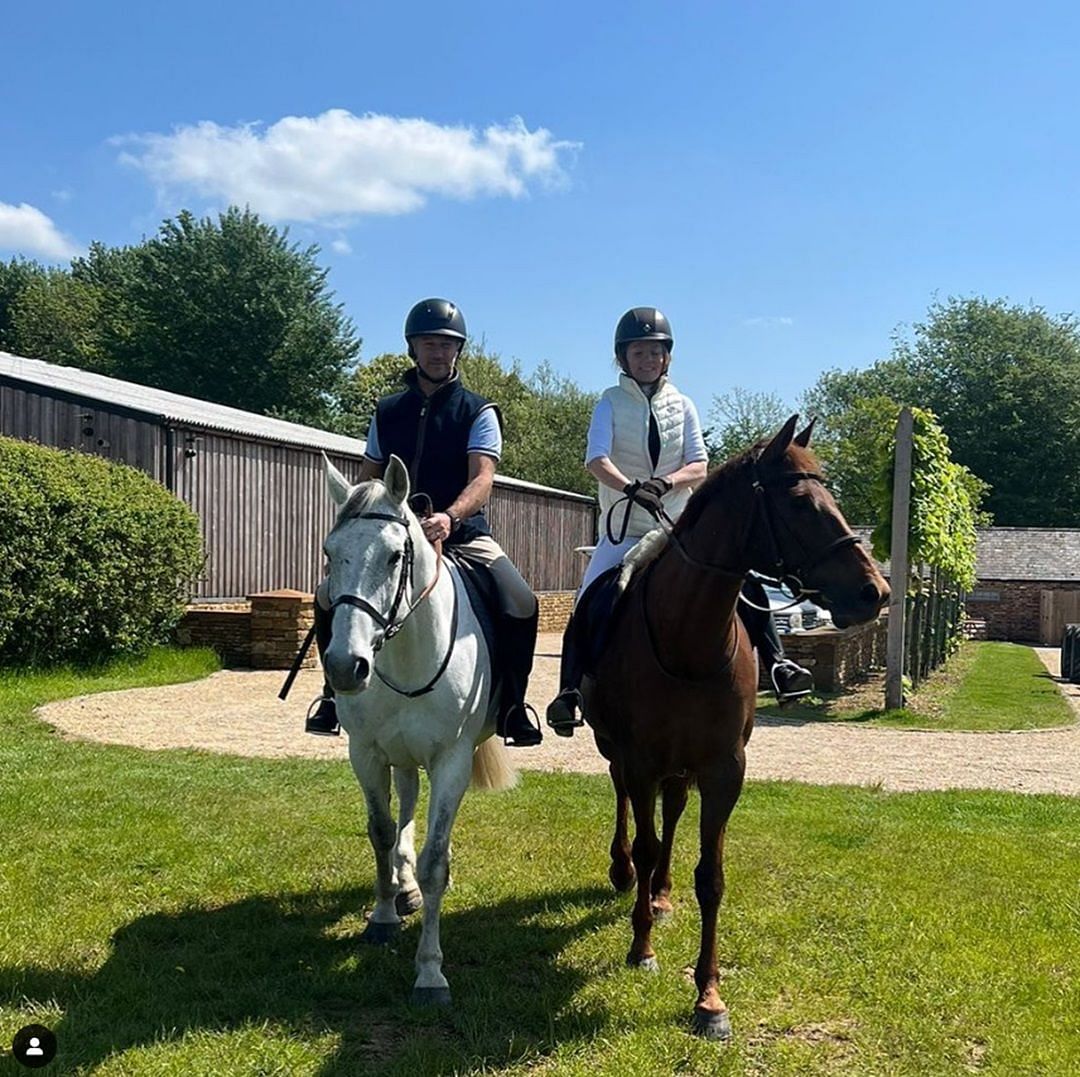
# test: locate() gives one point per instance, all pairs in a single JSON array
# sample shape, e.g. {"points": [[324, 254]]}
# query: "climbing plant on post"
{"points": [[943, 511]]}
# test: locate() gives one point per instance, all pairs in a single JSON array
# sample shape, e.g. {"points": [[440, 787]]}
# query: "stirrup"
{"points": [[319, 722], [560, 712], [801, 682], [529, 735]]}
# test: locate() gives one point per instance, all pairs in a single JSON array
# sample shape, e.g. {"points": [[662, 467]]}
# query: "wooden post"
{"points": [[898, 562]]}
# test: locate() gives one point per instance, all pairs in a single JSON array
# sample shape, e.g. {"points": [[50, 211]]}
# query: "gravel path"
{"points": [[238, 712]]}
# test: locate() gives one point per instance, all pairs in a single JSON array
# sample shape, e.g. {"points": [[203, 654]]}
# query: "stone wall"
{"points": [[225, 628], [280, 621], [836, 656]]}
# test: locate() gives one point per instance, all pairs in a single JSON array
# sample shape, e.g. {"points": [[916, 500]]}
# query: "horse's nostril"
{"points": [[870, 594], [362, 670]]}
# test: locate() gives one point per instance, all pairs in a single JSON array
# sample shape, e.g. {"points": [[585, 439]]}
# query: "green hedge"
{"points": [[96, 558]]}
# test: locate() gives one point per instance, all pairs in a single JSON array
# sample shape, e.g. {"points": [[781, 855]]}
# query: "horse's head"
{"points": [[375, 553], [788, 527], [797, 531]]}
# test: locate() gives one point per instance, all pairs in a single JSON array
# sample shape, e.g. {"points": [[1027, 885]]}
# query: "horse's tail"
{"points": [[491, 767]]}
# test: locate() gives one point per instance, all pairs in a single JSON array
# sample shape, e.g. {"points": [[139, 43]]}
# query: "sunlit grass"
{"points": [[984, 686], [178, 912]]}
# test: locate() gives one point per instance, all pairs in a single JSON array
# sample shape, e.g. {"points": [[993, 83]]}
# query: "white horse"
{"points": [[411, 671]]}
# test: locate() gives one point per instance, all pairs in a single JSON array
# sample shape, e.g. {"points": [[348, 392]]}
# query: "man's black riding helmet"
{"points": [[437, 318], [642, 323]]}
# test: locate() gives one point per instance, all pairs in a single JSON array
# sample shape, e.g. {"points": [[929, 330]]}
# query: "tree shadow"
{"points": [[295, 961]]}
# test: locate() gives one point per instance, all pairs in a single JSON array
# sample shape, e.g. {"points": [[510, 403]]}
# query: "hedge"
{"points": [[96, 558]]}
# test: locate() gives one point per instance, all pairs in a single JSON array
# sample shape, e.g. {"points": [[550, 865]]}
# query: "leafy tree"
{"points": [[738, 419], [14, 278], [228, 311], [363, 388], [1004, 382], [57, 317]]}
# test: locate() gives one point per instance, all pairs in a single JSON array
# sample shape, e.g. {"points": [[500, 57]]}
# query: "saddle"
{"points": [[483, 595]]}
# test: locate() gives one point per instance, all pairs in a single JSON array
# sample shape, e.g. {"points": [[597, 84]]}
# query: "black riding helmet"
{"points": [[642, 323], [436, 318]]}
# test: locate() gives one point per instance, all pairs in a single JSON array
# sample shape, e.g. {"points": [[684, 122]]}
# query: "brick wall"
{"points": [[226, 628], [555, 609], [1010, 608], [280, 620], [836, 656]]}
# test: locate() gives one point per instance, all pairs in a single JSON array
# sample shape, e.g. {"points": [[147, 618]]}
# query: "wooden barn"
{"points": [[256, 482]]}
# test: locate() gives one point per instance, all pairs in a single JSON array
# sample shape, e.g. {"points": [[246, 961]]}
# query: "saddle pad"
{"points": [[483, 597]]}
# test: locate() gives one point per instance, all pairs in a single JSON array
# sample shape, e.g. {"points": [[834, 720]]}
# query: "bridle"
{"points": [[782, 575], [389, 622]]}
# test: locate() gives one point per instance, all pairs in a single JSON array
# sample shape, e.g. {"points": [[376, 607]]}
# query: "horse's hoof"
{"points": [[380, 934], [712, 1026], [622, 882], [646, 964], [431, 996], [408, 901]]}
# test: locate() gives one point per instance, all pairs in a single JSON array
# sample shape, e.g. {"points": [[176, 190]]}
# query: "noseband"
{"points": [[388, 622]]}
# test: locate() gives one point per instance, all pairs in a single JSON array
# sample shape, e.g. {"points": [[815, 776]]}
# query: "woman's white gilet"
{"points": [[630, 449]]}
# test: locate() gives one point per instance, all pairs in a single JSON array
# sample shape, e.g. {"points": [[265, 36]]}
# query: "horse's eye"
{"points": [[394, 558]]}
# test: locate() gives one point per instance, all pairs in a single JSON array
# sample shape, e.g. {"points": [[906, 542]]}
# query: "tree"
{"points": [[14, 278], [740, 418], [228, 311], [1004, 382], [57, 317]]}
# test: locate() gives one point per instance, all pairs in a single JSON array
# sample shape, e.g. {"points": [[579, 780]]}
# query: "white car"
{"points": [[798, 618]]}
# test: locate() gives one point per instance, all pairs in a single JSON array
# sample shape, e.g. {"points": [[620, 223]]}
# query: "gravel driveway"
{"points": [[238, 712]]}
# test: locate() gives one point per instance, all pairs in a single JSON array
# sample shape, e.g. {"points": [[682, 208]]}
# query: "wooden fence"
{"points": [[1056, 610]]}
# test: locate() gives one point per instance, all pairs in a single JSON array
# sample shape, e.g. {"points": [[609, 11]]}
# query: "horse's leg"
{"points": [[621, 872], [449, 780], [719, 792], [374, 777], [674, 791], [645, 851], [409, 898]]}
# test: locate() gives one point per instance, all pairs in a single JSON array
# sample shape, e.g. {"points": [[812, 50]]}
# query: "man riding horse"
{"points": [[450, 439]]}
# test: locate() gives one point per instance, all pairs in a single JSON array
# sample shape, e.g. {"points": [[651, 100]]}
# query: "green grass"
{"points": [[984, 686], [173, 913]]}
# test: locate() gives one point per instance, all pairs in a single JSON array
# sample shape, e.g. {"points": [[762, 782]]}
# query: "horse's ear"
{"points": [[336, 482], [396, 479], [802, 438], [773, 453]]}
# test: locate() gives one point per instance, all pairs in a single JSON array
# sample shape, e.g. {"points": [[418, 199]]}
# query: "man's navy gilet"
{"points": [[431, 435]]}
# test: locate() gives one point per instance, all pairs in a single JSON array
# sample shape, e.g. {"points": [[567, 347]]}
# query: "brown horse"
{"points": [[672, 699]]}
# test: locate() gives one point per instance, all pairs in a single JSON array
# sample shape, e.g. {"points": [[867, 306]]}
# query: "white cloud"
{"points": [[338, 166], [26, 230], [768, 322], [341, 245]]}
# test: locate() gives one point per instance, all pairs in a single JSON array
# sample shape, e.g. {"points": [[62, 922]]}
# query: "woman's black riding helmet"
{"points": [[642, 323]]}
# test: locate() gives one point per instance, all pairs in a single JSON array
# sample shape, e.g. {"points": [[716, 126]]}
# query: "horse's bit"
{"points": [[388, 622]]}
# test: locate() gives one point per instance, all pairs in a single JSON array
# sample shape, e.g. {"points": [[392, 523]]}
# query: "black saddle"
{"points": [[483, 596], [591, 623]]}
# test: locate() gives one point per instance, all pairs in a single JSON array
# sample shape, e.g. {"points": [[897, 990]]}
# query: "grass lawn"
{"points": [[984, 686], [173, 913]]}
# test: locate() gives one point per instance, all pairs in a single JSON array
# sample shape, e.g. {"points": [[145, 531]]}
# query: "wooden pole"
{"points": [[898, 562]]}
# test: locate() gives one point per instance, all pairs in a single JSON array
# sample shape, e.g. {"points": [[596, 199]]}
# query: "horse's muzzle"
{"points": [[348, 674]]}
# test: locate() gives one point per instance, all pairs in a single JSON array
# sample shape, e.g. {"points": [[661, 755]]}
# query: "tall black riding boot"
{"points": [[789, 679], [517, 643], [322, 715], [562, 711]]}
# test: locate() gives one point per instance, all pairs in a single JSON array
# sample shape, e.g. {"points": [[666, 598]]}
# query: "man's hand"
{"points": [[436, 527]]}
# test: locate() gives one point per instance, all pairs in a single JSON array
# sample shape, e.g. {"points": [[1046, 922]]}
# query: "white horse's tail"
{"points": [[491, 767]]}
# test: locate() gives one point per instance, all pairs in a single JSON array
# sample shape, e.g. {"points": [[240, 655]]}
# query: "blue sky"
{"points": [[788, 182]]}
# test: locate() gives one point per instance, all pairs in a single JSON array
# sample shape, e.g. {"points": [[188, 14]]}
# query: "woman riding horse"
{"points": [[647, 453]]}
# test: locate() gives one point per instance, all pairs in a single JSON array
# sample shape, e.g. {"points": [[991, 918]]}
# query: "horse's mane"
{"points": [[719, 481]]}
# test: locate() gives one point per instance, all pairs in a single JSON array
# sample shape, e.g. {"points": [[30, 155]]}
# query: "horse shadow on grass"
{"points": [[295, 962]]}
